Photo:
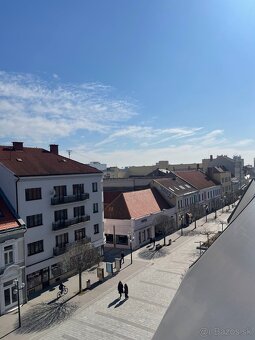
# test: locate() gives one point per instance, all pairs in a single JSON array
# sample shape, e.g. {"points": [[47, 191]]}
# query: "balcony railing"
{"points": [[60, 250], [63, 249], [69, 199], [66, 223]]}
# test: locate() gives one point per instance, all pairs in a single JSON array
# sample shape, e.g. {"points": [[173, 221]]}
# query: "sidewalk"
{"points": [[97, 313]]}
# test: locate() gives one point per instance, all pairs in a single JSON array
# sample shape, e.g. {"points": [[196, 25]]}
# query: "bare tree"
{"points": [[165, 225], [207, 232], [80, 255], [197, 211]]}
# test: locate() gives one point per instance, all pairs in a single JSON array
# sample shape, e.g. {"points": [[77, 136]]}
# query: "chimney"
{"points": [[54, 149], [17, 145], [211, 158]]}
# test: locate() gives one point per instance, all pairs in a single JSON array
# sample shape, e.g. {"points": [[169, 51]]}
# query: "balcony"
{"points": [[60, 250], [69, 199], [63, 249], [66, 223]]}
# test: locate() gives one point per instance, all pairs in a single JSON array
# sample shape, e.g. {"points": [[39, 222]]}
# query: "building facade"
{"points": [[12, 256], [61, 202], [130, 218]]}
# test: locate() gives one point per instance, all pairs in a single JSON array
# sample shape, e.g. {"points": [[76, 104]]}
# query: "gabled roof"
{"points": [[158, 173], [40, 162], [216, 297], [196, 178], [176, 185], [220, 169], [135, 204], [8, 221], [109, 196]]}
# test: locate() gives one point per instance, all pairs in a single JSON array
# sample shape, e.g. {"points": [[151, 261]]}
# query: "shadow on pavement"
{"points": [[120, 303], [113, 302], [150, 254], [44, 315], [1, 337]]}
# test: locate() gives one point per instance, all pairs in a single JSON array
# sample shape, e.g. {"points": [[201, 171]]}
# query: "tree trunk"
{"points": [[164, 239]]}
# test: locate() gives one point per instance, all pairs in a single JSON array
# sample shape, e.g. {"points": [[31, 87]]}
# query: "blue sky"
{"points": [[129, 82]]}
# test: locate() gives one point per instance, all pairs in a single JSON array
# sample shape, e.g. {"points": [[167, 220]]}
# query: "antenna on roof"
{"points": [[69, 152]]}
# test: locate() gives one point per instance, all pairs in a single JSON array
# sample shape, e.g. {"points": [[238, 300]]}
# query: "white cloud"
{"points": [[36, 112], [149, 135], [33, 109], [244, 142], [186, 153]]}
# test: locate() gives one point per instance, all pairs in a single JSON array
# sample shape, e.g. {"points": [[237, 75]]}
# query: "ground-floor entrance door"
{"points": [[10, 298], [45, 277]]}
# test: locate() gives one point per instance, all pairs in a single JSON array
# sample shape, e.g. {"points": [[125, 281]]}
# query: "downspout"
{"points": [[17, 201]]}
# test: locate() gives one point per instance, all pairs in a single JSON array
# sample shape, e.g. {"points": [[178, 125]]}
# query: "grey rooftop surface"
{"points": [[98, 313]]}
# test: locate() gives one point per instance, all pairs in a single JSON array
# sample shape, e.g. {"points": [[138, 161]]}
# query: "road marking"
{"points": [[131, 323], [148, 301], [159, 285], [168, 271], [102, 329], [69, 337]]}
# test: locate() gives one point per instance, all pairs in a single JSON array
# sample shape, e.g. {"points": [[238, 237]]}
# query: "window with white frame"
{"points": [[34, 220], [79, 234], [8, 255], [95, 207], [96, 228], [94, 186]]}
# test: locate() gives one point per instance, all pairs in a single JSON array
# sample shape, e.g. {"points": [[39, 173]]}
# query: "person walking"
{"points": [[122, 255], [126, 290], [120, 288]]}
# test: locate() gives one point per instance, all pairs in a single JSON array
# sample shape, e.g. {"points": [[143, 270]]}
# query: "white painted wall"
{"points": [[8, 184], [45, 232], [13, 271], [134, 227]]}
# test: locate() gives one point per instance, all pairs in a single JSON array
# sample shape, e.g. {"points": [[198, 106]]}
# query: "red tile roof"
{"points": [[196, 178], [135, 204], [109, 196], [40, 162], [7, 220]]}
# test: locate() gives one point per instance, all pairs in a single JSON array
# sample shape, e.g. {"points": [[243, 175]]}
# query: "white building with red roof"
{"points": [[12, 256], [59, 199], [132, 214]]}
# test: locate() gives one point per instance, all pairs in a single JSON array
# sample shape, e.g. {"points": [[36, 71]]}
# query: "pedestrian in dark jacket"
{"points": [[120, 288], [122, 255], [126, 290]]}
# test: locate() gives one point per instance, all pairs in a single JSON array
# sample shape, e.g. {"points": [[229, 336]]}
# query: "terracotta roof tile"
{"points": [[196, 178], [40, 162], [135, 204], [7, 220]]}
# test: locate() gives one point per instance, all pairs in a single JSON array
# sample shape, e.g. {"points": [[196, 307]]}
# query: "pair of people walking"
{"points": [[123, 289]]}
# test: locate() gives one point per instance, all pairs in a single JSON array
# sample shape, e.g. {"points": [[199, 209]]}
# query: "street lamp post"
{"points": [[223, 202], [182, 225], [206, 211], [16, 291], [131, 239]]}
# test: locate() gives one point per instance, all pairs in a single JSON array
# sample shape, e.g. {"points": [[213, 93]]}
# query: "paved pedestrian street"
{"points": [[152, 285]]}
